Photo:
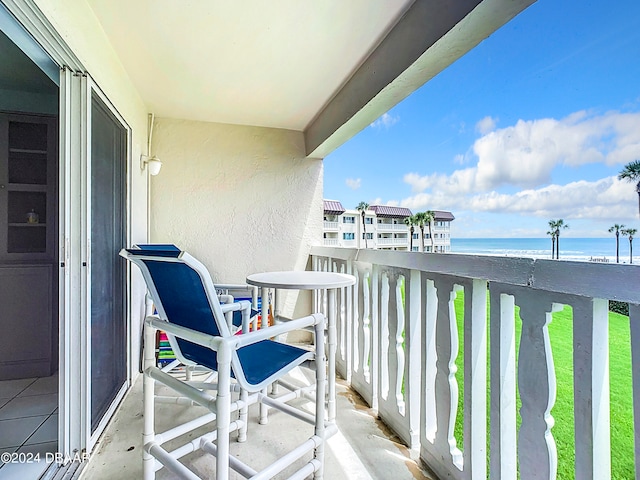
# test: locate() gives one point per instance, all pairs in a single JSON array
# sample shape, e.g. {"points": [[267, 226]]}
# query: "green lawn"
{"points": [[561, 331]]}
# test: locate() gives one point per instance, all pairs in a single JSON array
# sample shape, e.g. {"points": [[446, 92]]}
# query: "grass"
{"points": [[561, 335]]}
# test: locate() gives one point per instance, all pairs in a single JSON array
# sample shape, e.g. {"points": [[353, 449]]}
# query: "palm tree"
{"points": [[421, 221], [616, 228], [362, 208], [411, 223], [556, 226], [552, 232], [631, 172], [429, 216], [630, 232]]}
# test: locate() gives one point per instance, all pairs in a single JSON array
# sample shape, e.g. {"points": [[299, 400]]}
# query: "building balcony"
{"points": [[390, 227], [331, 225], [456, 357], [330, 242], [392, 241]]}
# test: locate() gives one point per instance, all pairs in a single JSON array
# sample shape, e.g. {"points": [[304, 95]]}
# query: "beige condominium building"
{"points": [[383, 228]]}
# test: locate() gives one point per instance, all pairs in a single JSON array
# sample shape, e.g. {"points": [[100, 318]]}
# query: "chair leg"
{"points": [[148, 386], [264, 418], [244, 416], [223, 414]]}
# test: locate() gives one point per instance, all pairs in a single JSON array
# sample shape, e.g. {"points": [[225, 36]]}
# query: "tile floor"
{"points": [[28, 424]]}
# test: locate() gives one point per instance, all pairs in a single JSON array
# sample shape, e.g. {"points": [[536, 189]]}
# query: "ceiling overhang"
{"points": [[326, 69], [428, 38]]}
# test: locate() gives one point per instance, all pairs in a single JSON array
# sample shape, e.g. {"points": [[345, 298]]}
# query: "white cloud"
{"points": [[459, 159], [486, 125], [385, 121], [525, 154], [353, 183], [602, 199]]}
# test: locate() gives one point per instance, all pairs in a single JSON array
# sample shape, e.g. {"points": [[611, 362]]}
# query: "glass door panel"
{"points": [[108, 220]]}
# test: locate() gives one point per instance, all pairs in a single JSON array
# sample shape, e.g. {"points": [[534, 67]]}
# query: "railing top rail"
{"points": [[587, 279]]}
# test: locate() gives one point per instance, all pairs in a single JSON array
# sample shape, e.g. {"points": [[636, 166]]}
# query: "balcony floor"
{"points": [[362, 449]]}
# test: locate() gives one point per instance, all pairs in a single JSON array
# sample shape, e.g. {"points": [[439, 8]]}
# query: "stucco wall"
{"points": [[240, 199]]}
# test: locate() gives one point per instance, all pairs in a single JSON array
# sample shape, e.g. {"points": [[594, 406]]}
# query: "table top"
{"points": [[301, 280]]}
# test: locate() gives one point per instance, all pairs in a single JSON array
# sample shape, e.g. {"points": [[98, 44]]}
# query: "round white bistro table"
{"points": [[306, 280]]}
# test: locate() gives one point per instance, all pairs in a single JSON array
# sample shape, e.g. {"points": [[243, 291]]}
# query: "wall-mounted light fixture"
{"points": [[153, 163]]}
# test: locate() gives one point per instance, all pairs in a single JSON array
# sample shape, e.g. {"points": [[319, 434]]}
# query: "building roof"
{"points": [[441, 215], [385, 211], [333, 207]]}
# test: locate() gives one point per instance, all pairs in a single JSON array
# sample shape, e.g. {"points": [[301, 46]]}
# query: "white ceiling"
{"points": [[270, 63], [327, 68]]}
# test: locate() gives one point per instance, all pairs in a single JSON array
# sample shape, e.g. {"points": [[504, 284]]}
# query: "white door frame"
{"points": [[89, 89], [76, 88]]}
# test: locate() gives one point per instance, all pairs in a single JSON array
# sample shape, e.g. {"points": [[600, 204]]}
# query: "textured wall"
{"points": [[240, 199]]}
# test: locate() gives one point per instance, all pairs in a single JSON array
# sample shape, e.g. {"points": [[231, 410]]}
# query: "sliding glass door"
{"points": [[108, 280]]}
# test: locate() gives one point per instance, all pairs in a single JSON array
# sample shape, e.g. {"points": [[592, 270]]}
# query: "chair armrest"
{"points": [[224, 299], [269, 332], [204, 339], [235, 341], [232, 307]]}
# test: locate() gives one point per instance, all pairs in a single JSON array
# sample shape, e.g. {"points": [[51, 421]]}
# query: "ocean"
{"points": [[577, 249]]}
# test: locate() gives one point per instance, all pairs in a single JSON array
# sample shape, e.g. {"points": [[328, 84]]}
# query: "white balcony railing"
{"points": [[331, 242], [390, 227], [392, 241], [331, 225], [398, 343]]}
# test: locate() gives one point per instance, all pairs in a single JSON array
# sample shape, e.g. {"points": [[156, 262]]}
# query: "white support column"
{"points": [[503, 386], [345, 318], [475, 373], [375, 336], [601, 396], [413, 327], [587, 369]]}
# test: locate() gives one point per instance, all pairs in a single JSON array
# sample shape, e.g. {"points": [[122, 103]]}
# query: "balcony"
{"points": [[391, 227], [399, 343], [331, 225], [330, 242], [457, 399], [392, 241]]}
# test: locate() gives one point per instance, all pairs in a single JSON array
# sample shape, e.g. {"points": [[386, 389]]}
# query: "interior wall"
{"points": [[28, 102], [240, 199]]}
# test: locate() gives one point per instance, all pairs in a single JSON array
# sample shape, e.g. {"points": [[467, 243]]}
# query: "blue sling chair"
{"points": [[189, 311], [227, 293]]}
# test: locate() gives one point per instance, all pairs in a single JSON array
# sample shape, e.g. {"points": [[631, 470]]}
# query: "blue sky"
{"points": [[533, 124]]}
